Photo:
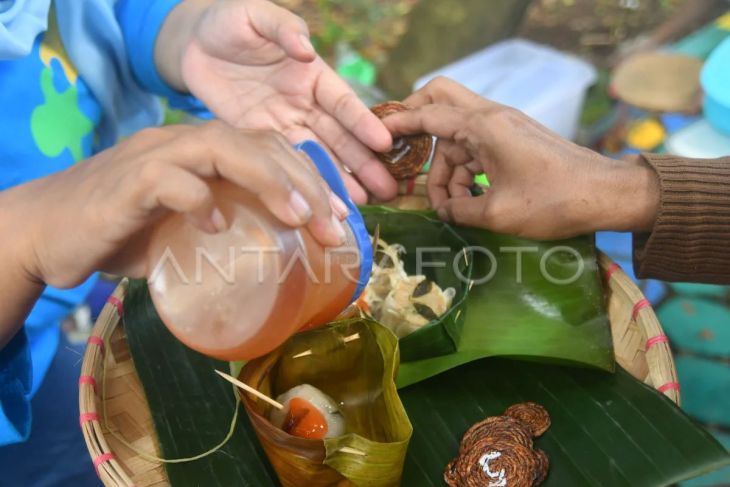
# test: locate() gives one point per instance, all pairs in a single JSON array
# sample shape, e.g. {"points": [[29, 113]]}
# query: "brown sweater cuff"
{"points": [[690, 240]]}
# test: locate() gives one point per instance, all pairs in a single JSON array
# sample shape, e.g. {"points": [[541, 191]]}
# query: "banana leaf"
{"points": [[535, 300], [607, 429], [354, 362], [445, 260]]}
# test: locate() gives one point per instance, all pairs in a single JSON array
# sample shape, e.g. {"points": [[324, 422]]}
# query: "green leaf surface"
{"points": [[607, 429], [521, 304]]}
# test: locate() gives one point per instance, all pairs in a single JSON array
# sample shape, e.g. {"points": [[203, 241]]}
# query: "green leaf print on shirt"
{"points": [[59, 123]]}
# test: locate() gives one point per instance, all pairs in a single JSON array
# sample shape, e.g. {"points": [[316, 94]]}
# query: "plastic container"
{"points": [[699, 141], [546, 84], [715, 81], [239, 294]]}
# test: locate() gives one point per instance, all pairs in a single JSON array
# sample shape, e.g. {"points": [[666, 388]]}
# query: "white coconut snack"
{"points": [[325, 404], [391, 296]]}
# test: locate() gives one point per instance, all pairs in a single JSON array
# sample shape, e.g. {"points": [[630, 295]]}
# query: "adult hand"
{"points": [[251, 63], [542, 186], [96, 215]]}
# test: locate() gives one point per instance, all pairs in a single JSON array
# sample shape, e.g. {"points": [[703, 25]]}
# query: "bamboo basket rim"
{"points": [[634, 325]]}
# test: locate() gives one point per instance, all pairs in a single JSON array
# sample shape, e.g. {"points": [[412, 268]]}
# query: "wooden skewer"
{"points": [[352, 338], [349, 339], [347, 449], [250, 389], [376, 237]]}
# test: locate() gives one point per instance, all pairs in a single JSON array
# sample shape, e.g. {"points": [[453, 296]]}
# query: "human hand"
{"points": [[542, 186], [252, 64], [97, 214]]}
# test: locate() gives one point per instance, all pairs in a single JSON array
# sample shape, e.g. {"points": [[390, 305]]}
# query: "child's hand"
{"points": [[543, 186], [252, 64], [95, 215]]}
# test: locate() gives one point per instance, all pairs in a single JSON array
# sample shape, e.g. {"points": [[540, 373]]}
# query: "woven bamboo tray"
{"points": [[639, 341]]}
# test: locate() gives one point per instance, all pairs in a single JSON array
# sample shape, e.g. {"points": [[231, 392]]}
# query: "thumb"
{"points": [[283, 28], [466, 210]]}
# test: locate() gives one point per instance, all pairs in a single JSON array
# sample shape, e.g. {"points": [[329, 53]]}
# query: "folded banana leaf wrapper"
{"points": [[537, 300], [435, 250], [607, 429], [354, 362]]}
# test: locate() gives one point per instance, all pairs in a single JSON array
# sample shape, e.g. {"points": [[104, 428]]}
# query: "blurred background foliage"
{"points": [[406, 39], [375, 27], [372, 27]]}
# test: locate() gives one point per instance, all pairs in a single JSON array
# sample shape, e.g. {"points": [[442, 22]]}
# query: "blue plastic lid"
{"points": [[329, 173]]}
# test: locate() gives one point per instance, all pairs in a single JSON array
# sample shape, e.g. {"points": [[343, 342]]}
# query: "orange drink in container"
{"points": [[239, 294]]}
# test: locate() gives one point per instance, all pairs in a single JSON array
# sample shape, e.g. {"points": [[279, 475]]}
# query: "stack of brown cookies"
{"points": [[498, 452]]}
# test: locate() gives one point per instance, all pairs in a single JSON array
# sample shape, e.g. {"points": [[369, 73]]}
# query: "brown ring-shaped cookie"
{"points": [[520, 464], [533, 415], [543, 468], [451, 477], [502, 426], [409, 153]]}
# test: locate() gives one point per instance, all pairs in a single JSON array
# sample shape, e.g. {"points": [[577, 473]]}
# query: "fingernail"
{"points": [[306, 43], [339, 230], [218, 220], [339, 206], [443, 214], [299, 206]]}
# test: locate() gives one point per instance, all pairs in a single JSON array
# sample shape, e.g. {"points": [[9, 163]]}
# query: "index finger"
{"points": [[445, 91], [336, 98], [443, 121]]}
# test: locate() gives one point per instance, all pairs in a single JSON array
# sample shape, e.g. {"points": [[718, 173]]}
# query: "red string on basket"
{"points": [[411, 186], [611, 270], [668, 386], [96, 340], [86, 417], [104, 457], [657, 339], [117, 303], [644, 303], [87, 379]]}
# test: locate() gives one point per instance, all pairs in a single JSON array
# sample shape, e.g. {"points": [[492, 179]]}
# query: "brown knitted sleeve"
{"points": [[690, 240]]}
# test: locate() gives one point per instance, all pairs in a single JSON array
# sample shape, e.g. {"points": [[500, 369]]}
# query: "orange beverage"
{"points": [[239, 294]]}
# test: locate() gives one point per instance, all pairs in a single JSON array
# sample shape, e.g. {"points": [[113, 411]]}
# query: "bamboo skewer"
{"points": [[347, 449], [250, 389], [348, 339], [264, 397], [352, 338], [376, 237]]}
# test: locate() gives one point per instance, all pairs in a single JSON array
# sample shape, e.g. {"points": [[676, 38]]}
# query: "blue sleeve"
{"points": [[15, 385], [140, 22]]}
